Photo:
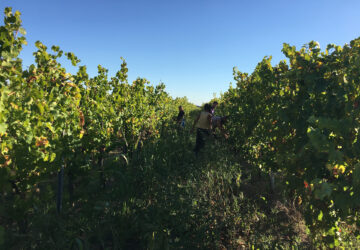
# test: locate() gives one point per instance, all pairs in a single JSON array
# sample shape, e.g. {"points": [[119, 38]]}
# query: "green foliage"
{"points": [[50, 118], [301, 119]]}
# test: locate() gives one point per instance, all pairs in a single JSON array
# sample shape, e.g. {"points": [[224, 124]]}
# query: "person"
{"points": [[203, 126], [218, 122], [215, 103], [180, 120]]}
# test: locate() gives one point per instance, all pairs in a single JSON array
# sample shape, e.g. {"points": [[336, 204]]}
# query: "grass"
{"points": [[209, 202], [166, 198]]}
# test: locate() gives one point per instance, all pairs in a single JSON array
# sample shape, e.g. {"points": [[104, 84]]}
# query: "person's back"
{"points": [[216, 120], [181, 117], [203, 127], [203, 121]]}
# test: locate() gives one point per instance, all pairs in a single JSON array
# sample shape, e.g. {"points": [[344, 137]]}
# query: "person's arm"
{"points": [[222, 130], [196, 120], [210, 121]]}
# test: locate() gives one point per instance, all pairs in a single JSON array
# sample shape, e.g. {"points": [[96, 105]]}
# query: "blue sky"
{"points": [[190, 45]]}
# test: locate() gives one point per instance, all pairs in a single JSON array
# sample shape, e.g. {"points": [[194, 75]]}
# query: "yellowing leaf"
{"points": [[3, 127], [342, 169], [41, 141], [46, 158], [52, 157], [320, 216], [40, 107], [14, 106], [81, 133], [50, 127]]}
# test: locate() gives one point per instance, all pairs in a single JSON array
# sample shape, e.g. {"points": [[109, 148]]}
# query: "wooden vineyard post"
{"points": [[60, 188]]}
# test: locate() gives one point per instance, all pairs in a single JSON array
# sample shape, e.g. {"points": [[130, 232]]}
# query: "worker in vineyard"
{"points": [[219, 122], [203, 126], [180, 120], [214, 105]]}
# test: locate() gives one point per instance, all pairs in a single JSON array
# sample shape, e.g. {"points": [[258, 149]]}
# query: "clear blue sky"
{"points": [[190, 45]]}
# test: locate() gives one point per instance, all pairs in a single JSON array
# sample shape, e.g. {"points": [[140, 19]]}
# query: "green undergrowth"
{"points": [[212, 202], [178, 201], [166, 198]]}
